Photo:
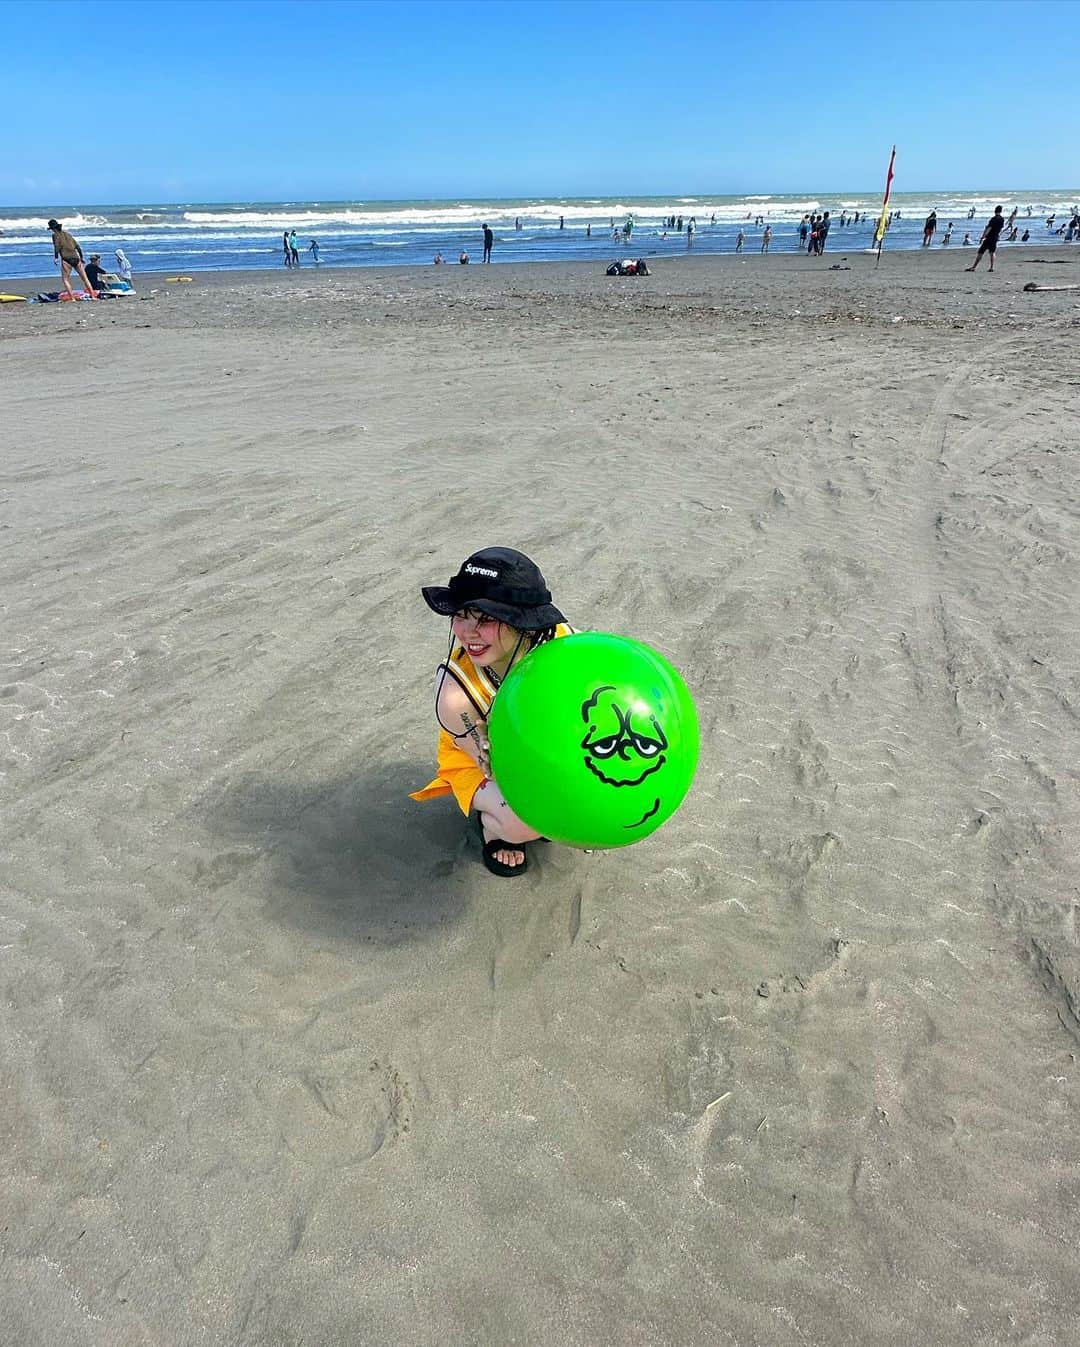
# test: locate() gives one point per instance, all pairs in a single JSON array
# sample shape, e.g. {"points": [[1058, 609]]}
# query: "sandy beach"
{"points": [[283, 1066]]}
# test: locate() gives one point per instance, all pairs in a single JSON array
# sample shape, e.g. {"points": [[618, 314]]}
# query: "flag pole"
{"points": [[882, 226]]}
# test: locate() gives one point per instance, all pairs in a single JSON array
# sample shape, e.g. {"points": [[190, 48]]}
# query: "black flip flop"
{"points": [[489, 848]]}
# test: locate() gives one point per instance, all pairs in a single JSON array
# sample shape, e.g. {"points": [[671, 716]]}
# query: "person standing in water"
{"points": [[489, 239], [313, 249]]}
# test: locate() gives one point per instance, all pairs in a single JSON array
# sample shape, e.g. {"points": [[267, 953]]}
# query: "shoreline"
{"points": [[258, 275]]}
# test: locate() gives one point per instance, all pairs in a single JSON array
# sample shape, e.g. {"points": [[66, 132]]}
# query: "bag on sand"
{"points": [[629, 266]]}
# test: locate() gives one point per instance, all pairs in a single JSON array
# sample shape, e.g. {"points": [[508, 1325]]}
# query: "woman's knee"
{"points": [[501, 821]]}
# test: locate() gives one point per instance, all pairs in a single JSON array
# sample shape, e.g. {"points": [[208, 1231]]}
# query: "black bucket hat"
{"points": [[502, 583]]}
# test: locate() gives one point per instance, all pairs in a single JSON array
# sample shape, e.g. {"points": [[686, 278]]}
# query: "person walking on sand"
{"points": [[766, 239], [929, 228], [489, 239], [70, 256], [989, 241]]}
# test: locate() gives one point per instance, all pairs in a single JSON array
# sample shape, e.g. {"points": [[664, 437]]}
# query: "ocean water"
{"points": [[193, 237]]}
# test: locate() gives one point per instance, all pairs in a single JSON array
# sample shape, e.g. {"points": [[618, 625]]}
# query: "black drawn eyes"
{"points": [[627, 739], [604, 748], [648, 748]]}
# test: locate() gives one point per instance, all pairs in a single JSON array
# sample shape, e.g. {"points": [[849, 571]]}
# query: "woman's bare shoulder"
{"points": [[451, 699]]}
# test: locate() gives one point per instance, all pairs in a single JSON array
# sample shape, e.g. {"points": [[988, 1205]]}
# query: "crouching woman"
{"points": [[499, 608]]}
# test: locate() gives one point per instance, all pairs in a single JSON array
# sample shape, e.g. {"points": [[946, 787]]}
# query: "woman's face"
{"points": [[486, 639]]}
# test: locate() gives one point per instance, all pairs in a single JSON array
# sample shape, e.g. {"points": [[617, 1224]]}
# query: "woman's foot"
{"points": [[509, 855], [505, 859]]}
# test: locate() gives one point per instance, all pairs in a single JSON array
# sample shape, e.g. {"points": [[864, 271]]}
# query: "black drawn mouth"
{"points": [[610, 781], [644, 817]]}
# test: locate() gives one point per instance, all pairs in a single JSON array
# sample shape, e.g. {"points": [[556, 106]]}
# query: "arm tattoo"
{"points": [[472, 731]]}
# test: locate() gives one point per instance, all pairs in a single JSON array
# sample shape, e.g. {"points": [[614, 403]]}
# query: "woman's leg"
{"points": [[86, 280], [499, 820]]}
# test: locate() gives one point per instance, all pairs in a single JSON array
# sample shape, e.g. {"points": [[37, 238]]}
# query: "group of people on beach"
{"points": [[292, 253], [95, 278]]}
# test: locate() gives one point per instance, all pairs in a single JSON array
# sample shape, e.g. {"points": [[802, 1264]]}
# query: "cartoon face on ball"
{"points": [[624, 746]]}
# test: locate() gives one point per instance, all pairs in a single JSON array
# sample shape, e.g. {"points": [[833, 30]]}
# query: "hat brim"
{"points": [[440, 599]]}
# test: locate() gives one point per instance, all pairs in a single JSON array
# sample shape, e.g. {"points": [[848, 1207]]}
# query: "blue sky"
{"points": [[260, 100]]}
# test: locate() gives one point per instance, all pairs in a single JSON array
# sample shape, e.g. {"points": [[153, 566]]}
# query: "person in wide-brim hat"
{"points": [[500, 608]]}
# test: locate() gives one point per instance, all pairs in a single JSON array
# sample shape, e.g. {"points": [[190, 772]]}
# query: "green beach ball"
{"points": [[594, 740]]}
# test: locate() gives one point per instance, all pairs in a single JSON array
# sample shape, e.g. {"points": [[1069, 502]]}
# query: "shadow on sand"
{"points": [[353, 856]]}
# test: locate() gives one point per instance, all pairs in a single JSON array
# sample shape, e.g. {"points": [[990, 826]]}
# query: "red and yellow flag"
{"points": [[879, 233]]}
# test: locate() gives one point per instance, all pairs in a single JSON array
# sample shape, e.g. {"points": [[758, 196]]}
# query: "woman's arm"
{"points": [[457, 714]]}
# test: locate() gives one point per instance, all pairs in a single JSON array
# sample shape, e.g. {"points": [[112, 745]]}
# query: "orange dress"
{"points": [[457, 773]]}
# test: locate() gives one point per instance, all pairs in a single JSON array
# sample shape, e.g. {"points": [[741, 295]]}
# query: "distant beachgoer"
{"points": [[588, 231], [562, 221], [313, 249], [123, 266], [989, 241], [690, 234], [292, 249], [822, 233], [70, 257], [967, 241], [288, 250], [971, 213], [489, 239], [740, 241], [766, 239], [929, 228], [437, 259], [1025, 236], [464, 258], [946, 238], [95, 271], [804, 232], [517, 223]]}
